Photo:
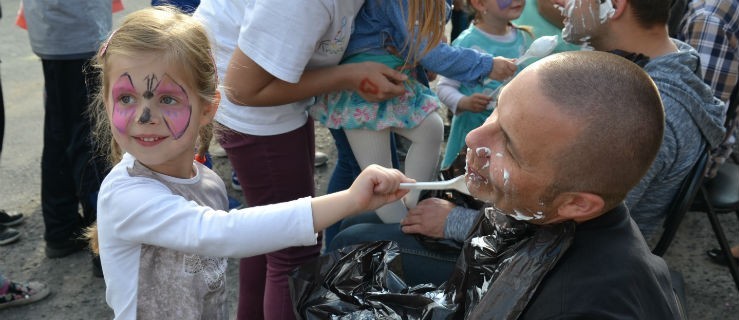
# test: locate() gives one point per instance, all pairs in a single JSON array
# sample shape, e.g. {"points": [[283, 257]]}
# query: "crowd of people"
{"points": [[600, 135]]}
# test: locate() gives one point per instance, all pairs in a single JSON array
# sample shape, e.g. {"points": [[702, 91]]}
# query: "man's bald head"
{"points": [[620, 112]]}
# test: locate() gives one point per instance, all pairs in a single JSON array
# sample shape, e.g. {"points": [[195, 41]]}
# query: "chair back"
{"points": [[681, 203]]}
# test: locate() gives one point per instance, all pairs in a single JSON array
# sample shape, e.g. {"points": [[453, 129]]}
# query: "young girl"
{"points": [[161, 226], [491, 32], [397, 33]]}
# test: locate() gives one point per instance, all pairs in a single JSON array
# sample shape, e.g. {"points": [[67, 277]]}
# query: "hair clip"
{"points": [[104, 47]]}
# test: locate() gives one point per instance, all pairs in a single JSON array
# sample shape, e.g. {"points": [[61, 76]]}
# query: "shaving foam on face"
{"points": [[578, 28]]}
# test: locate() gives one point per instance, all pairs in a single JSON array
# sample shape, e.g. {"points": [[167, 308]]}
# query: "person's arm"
{"points": [[273, 62], [159, 217], [461, 64], [448, 92], [247, 83], [459, 223], [374, 187], [718, 53]]}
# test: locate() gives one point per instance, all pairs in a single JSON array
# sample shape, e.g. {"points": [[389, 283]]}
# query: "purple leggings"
{"points": [[271, 169]]}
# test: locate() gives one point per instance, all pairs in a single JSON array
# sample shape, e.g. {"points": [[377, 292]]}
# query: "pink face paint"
{"points": [[502, 4], [174, 105], [124, 102]]}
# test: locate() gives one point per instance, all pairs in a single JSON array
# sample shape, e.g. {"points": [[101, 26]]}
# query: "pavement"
{"points": [[710, 291]]}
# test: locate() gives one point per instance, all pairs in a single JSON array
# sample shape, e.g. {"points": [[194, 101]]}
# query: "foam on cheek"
{"points": [[605, 11], [509, 193], [122, 115]]}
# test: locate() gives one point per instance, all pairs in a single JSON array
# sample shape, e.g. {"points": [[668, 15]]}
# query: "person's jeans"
{"points": [[2, 117], [71, 172], [420, 264]]}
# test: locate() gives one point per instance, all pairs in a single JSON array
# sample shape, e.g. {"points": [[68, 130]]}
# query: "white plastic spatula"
{"points": [[457, 183], [540, 48]]}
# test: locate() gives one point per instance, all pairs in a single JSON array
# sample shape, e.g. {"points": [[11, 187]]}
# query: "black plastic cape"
{"points": [[502, 263]]}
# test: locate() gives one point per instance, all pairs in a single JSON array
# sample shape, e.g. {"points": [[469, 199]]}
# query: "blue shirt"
{"points": [[381, 24]]}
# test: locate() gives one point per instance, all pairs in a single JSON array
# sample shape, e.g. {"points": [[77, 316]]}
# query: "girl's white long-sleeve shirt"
{"points": [[162, 240]]}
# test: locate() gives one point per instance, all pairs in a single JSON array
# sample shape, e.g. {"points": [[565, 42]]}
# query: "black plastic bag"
{"points": [[502, 263], [361, 282]]}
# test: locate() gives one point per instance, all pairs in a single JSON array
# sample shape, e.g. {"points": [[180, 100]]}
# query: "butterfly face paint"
{"points": [[175, 106], [168, 97], [124, 103], [503, 4]]}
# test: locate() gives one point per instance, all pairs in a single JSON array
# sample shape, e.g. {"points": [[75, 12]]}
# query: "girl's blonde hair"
{"points": [[180, 40], [426, 20]]}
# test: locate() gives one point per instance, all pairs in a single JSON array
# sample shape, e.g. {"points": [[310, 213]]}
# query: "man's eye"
{"points": [[168, 100]]}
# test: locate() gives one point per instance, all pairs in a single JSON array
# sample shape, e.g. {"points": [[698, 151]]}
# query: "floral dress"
{"points": [[348, 110]]}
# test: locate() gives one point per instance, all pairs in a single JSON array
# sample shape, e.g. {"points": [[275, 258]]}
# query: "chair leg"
{"points": [[721, 237]]}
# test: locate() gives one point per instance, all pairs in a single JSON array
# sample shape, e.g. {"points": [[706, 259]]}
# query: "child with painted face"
{"points": [[403, 34], [491, 32], [162, 229]]}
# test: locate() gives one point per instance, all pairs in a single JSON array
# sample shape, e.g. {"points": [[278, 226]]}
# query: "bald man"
{"points": [[570, 136]]}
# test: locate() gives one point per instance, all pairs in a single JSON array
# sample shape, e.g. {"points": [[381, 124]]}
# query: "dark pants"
{"points": [[70, 173], [271, 169], [2, 118]]}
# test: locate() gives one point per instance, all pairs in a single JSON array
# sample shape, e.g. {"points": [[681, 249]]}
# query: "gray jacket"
{"points": [[67, 29], [693, 118]]}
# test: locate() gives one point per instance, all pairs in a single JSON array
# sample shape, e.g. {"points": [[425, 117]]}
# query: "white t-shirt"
{"points": [[160, 238], [283, 37]]}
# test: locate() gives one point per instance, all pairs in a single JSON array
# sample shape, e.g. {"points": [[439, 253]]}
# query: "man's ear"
{"points": [[209, 109], [580, 206], [620, 7]]}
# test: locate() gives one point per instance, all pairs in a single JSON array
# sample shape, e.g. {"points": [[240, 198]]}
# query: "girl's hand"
{"points": [[503, 68], [377, 186], [374, 187], [375, 81], [477, 102]]}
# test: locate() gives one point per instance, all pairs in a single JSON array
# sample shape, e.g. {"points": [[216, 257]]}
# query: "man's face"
{"points": [[583, 18], [510, 157]]}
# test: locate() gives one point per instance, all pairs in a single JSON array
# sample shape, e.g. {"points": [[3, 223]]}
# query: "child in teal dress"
{"points": [[491, 32]]}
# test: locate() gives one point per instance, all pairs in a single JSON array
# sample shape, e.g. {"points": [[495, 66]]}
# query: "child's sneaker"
{"points": [[8, 235], [10, 220], [321, 159], [235, 181]]}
